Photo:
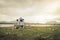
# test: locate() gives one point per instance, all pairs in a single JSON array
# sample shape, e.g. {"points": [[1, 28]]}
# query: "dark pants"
{"points": [[19, 26]]}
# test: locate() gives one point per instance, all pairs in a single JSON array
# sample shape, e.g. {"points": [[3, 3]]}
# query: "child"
{"points": [[20, 22]]}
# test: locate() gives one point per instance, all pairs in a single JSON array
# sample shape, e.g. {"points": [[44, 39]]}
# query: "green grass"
{"points": [[27, 33]]}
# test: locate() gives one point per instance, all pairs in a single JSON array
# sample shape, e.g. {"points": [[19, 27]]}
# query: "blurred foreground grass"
{"points": [[29, 33]]}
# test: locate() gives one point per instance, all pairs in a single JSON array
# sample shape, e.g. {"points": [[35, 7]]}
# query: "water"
{"points": [[6, 25], [31, 25]]}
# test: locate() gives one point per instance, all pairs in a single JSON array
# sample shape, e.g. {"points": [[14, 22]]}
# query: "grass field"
{"points": [[30, 33]]}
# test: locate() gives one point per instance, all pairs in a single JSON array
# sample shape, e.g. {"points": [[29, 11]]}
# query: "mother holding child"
{"points": [[20, 23]]}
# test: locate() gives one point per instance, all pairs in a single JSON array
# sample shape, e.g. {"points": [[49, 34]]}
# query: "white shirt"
{"points": [[19, 22]]}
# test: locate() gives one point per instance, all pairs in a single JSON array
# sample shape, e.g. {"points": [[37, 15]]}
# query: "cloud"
{"points": [[28, 8], [5, 18]]}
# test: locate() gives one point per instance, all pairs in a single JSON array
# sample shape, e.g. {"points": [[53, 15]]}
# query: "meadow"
{"points": [[30, 33]]}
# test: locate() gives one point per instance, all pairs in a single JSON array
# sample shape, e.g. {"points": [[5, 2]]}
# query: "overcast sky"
{"points": [[30, 10]]}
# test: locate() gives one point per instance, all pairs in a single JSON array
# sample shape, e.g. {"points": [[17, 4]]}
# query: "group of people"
{"points": [[20, 23]]}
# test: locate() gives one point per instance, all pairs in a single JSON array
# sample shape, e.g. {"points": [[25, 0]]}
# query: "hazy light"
{"points": [[43, 18], [31, 10]]}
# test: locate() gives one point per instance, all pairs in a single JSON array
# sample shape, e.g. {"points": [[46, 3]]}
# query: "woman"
{"points": [[20, 22]]}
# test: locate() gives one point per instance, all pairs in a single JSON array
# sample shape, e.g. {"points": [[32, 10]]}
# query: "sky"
{"points": [[38, 11]]}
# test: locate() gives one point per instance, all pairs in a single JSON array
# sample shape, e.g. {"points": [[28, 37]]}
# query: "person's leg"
{"points": [[21, 26], [17, 26]]}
